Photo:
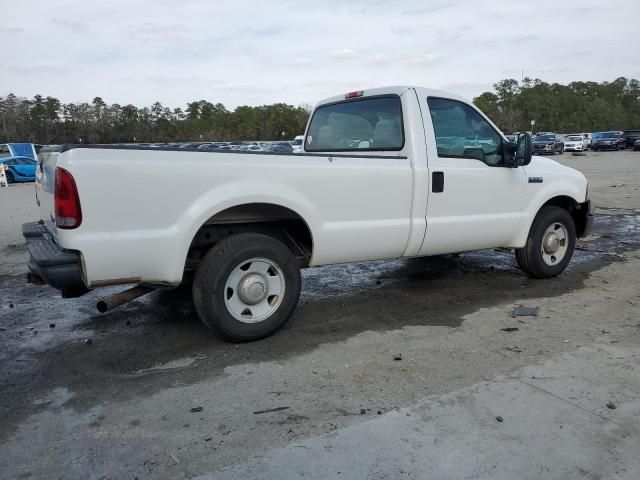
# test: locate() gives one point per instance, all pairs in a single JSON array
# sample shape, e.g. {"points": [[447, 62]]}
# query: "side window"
{"points": [[4, 151], [461, 132], [354, 125]]}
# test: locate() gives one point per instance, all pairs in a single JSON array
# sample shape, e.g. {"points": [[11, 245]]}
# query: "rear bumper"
{"points": [[59, 268]]}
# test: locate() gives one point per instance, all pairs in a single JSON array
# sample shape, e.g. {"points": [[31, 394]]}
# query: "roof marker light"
{"points": [[359, 93]]}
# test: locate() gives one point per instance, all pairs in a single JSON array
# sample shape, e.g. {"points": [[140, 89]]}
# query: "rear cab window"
{"points": [[363, 124]]}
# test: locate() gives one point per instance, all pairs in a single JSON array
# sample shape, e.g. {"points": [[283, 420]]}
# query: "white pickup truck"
{"points": [[385, 173]]}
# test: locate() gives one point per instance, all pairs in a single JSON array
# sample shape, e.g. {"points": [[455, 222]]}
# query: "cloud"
{"points": [[11, 30], [249, 52], [342, 53], [405, 58], [71, 25], [158, 34], [429, 9]]}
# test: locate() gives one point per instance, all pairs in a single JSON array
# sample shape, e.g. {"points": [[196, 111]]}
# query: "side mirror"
{"points": [[524, 149], [509, 155]]}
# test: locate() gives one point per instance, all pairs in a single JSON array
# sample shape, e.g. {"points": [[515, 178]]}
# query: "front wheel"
{"points": [[550, 244], [247, 287]]}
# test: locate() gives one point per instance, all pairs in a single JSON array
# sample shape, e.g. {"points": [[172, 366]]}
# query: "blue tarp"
{"points": [[22, 150]]}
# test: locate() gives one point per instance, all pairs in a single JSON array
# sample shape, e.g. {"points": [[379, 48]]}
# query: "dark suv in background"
{"points": [[607, 141], [550, 143], [629, 137]]}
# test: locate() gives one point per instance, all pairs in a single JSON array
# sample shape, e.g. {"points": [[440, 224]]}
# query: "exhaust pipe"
{"points": [[109, 303]]}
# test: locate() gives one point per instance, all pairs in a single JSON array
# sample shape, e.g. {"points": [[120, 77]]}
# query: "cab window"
{"points": [[461, 132], [365, 124]]}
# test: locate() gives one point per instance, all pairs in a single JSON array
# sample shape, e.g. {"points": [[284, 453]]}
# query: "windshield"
{"points": [[545, 138], [608, 135], [574, 138]]}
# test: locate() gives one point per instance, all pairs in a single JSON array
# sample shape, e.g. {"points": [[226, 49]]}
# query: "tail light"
{"points": [[67, 202]]}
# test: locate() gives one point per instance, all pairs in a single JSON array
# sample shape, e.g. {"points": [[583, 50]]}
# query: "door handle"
{"points": [[437, 182]]}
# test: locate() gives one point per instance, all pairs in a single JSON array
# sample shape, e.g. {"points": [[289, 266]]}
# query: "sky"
{"points": [[246, 52]]}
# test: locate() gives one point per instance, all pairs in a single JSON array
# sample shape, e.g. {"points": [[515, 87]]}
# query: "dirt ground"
{"points": [[146, 391]]}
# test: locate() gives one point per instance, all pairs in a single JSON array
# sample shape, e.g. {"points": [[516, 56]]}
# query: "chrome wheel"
{"points": [[254, 290], [555, 243]]}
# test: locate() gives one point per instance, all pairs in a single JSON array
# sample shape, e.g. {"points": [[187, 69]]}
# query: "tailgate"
{"points": [[45, 184]]}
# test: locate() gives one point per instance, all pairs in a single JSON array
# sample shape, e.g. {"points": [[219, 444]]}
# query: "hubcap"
{"points": [[254, 290], [555, 243], [551, 242]]}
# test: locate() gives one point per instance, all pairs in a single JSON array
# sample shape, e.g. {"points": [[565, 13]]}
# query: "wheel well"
{"points": [[274, 220], [578, 211]]}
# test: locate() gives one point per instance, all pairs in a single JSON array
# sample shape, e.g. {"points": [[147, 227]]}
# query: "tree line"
{"points": [[46, 120], [576, 107]]}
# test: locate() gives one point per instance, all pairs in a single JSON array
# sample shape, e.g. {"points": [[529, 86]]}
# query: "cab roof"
{"points": [[393, 90]]}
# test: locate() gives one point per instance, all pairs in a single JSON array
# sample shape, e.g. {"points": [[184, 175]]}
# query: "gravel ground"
{"points": [[146, 391]]}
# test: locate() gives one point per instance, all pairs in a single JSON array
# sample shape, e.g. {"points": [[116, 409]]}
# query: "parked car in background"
{"points": [[297, 144], [587, 136], [279, 147], [209, 147], [19, 169], [636, 145], [575, 142], [512, 138], [550, 143], [630, 137], [18, 150], [607, 141]]}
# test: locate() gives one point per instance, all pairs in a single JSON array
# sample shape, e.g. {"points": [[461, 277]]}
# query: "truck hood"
{"points": [[552, 170]]}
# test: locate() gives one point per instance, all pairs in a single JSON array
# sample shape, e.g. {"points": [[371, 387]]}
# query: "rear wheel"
{"points": [[247, 287], [550, 244]]}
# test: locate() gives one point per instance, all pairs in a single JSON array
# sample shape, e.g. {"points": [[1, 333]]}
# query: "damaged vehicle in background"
{"points": [[607, 141], [387, 173], [630, 137], [549, 143]]}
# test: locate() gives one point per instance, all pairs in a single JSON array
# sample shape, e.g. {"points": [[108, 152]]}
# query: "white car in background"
{"points": [[576, 142], [297, 144]]}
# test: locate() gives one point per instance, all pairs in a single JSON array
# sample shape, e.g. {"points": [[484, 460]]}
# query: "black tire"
{"points": [[9, 176], [530, 259], [216, 267]]}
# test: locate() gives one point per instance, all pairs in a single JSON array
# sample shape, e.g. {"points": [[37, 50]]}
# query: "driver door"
{"points": [[474, 201]]}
